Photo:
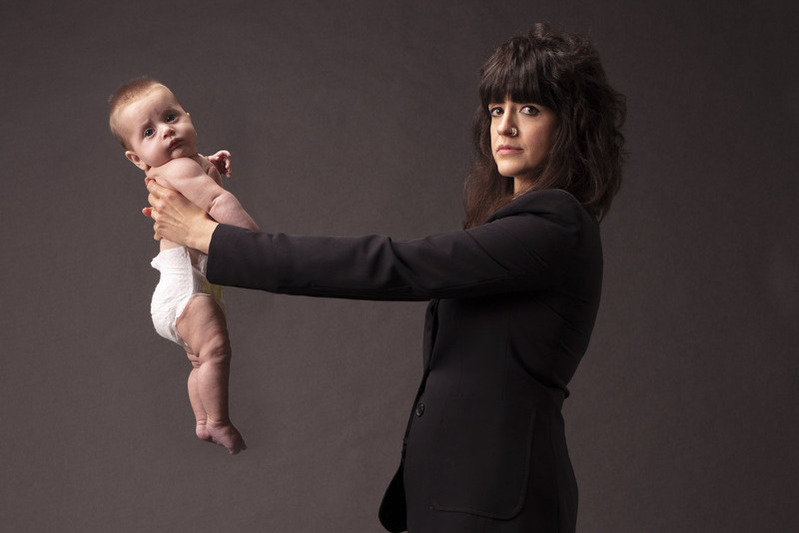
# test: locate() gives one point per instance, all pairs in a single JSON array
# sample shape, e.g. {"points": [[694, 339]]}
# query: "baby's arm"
{"points": [[188, 178]]}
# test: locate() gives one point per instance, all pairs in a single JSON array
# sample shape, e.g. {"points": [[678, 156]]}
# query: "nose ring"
{"points": [[513, 132]]}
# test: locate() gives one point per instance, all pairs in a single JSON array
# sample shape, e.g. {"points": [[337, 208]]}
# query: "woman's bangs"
{"points": [[515, 79]]}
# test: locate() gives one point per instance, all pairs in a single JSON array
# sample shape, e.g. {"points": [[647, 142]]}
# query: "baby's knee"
{"points": [[204, 330], [216, 347]]}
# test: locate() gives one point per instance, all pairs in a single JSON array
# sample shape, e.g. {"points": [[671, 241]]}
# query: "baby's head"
{"points": [[151, 124]]}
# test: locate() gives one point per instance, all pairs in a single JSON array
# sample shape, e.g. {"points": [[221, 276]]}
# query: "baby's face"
{"points": [[157, 129]]}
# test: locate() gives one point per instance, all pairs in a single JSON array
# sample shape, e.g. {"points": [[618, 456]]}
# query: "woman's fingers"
{"points": [[161, 198], [151, 213], [174, 215], [153, 187], [153, 199], [156, 191]]}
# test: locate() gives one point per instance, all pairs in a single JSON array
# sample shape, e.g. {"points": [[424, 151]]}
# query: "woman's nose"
{"points": [[506, 126]]}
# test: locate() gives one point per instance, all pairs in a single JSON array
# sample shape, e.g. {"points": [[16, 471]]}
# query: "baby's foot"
{"points": [[223, 434]]}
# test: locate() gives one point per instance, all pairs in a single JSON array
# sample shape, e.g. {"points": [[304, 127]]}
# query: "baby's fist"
{"points": [[221, 160]]}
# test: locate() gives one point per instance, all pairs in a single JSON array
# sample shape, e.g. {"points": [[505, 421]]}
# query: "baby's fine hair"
{"points": [[128, 92]]}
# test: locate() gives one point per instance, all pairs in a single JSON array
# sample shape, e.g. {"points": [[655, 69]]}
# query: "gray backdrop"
{"points": [[354, 117]]}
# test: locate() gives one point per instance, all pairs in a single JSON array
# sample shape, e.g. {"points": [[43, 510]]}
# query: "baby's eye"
{"points": [[149, 132], [530, 110], [171, 117]]}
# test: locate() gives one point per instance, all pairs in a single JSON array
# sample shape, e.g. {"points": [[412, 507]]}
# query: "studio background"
{"points": [[354, 117]]}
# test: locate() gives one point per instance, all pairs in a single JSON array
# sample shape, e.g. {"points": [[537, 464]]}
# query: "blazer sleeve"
{"points": [[524, 246]]}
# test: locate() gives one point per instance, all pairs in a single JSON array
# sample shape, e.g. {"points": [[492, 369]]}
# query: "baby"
{"points": [[159, 138]]}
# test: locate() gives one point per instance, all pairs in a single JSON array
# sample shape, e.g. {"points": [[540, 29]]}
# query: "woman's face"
{"points": [[521, 136]]}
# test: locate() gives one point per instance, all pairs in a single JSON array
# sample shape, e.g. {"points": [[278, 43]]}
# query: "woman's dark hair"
{"points": [[561, 71]]}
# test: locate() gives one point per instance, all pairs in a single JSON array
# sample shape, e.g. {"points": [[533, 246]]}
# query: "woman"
{"points": [[513, 296]]}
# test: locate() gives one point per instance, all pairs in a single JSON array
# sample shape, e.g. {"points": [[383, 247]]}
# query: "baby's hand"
{"points": [[221, 160]]}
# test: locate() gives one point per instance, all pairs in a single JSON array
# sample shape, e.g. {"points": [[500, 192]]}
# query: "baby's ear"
{"points": [[136, 160]]}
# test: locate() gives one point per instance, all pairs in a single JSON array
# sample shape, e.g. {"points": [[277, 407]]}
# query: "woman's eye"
{"points": [[530, 110], [149, 132], [495, 111]]}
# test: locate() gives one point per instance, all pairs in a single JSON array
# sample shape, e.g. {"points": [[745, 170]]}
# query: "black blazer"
{"points": [[512, 307]]}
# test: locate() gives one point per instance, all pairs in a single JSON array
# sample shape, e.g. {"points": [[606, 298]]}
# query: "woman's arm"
{"points": [[534, 245], [177, 219]]}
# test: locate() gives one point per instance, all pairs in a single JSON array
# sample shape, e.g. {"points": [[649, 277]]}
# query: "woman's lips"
{"points": [[507, 149]]}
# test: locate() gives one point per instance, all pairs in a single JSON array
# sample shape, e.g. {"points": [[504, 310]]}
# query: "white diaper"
{"points": [[180, 282]]}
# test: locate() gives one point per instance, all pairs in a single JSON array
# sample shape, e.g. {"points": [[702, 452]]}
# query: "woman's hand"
{"points": [[177, 219]]}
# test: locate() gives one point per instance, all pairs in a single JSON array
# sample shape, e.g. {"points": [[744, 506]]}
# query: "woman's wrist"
{"points": [[201, 234]]}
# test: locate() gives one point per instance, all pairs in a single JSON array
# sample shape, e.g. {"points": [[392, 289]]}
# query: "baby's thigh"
{"points": [[202, 327]]}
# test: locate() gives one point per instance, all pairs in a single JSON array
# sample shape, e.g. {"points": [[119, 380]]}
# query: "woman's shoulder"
{"points": [[550, 203]]}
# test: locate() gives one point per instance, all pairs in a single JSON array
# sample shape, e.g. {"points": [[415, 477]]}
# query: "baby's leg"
{"points": [[202, 326], [194, 396]]}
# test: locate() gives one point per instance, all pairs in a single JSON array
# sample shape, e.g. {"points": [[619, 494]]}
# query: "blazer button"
{"points": [[419, 409]]}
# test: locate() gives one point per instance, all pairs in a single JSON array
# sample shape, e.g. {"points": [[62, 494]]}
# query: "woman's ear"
{"points": [[136, 160]]}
